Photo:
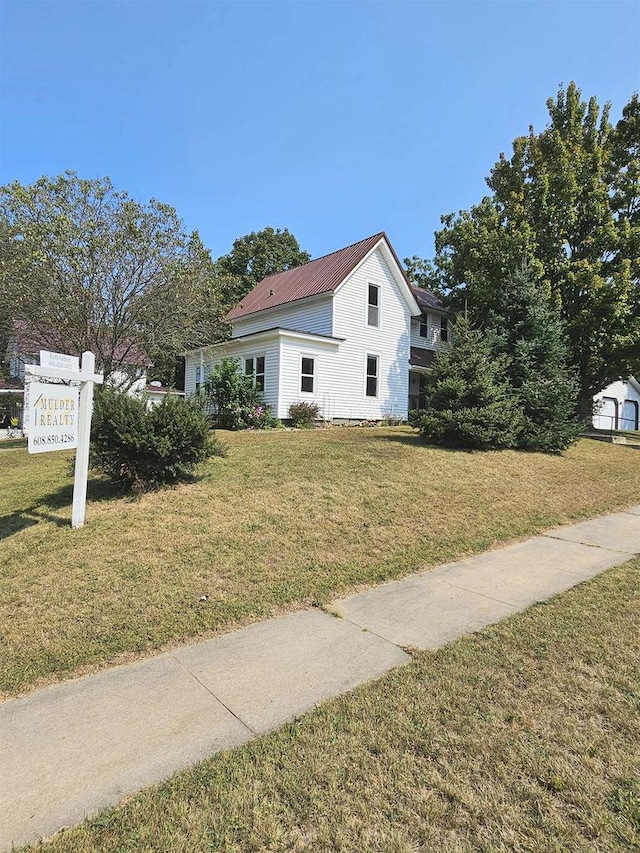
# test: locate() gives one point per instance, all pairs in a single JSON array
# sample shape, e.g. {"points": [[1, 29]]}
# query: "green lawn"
{"points": [[524, 738], [286, 520]]}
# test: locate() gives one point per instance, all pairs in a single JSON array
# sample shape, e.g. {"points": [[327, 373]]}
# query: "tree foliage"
{"points": [[567, 202], [507, 385], [141, 448], [88, 267], [236, 401], [471, 405], [528, 334], [255, 256]]}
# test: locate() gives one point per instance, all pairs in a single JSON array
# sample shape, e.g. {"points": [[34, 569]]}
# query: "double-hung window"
{"points": [[198, 379], [444, 329], [424, 329], [373, 305], [371, 389], [307, 374], [254, 367]]}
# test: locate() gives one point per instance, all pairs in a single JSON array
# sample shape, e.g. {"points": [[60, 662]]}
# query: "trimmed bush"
{"points": [[142, 449], [304, 415]]}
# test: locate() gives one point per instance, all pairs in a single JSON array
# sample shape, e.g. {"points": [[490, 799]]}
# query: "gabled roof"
{"points": [[323, 275]]}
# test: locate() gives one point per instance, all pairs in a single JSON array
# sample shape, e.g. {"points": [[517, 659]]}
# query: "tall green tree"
{"points": [[566, 202], [87, 267], [255, 256], [471, 404], [528, 334]]}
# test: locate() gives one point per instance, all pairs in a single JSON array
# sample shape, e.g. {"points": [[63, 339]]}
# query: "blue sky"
{"points": [[333, 119]]}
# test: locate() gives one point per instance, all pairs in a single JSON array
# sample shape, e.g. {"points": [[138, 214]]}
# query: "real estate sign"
{"points": [[53, 417], [59, 359]]}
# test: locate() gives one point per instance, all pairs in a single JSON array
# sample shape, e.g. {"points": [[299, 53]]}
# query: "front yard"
{"points": [[287, 520], [524, 738]]}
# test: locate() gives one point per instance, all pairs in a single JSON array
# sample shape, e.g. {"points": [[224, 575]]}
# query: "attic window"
{"points": [[373, 305]]}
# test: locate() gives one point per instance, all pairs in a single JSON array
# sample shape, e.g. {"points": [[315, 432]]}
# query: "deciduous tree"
{"points": [[90, 268], [257, 255], [567, 203]]}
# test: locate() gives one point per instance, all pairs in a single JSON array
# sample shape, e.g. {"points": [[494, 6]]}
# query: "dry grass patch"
{"points": [[286, 520], [523, 738]]}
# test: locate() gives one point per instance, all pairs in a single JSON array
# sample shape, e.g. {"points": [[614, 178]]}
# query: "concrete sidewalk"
{"points": [[71, 749]]}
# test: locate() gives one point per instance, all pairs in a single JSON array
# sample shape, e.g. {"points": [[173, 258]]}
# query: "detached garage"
{"points": [[618, 406]]}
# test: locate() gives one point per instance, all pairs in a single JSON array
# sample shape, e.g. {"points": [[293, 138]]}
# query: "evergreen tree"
{"points": [[568, 201], [530, 336], [471, 405]]}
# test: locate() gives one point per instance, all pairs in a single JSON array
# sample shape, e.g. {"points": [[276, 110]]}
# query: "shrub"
{"points": [[304, 414], [234, 397], [260, 417], [142, 449]]}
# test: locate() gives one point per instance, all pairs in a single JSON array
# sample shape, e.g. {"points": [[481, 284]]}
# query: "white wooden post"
{"points": [[84, 432]]}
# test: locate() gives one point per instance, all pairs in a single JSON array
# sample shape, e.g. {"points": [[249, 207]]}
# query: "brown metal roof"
{"points": [[320, 276], [427, 300]]}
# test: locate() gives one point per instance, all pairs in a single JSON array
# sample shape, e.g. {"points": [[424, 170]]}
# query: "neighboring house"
{"points": [[346, 331], [618, 406], [25, 345], [156, 392], [11, 403]]}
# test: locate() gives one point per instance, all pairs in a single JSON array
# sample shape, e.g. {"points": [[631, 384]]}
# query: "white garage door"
{"points": [[629, 415], [607, 414]]}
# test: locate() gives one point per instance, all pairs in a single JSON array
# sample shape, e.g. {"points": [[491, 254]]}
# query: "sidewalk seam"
{"points": [[213, 695], [589, 545]]}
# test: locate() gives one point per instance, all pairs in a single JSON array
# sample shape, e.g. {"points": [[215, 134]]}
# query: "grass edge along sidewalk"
{"points": [[285, 521], [525, 736], [622, 528]]}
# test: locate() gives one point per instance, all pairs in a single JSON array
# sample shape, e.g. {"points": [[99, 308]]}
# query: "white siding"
{"points": [[239, 349], [324, 394], [308, 315], [433, 340], [390, 342], [626, 394]]}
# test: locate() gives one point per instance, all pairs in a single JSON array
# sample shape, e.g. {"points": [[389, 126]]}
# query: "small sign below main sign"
{"points": [[59, 360], [53, 417]]}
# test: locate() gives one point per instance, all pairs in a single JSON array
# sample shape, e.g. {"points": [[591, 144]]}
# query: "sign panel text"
{"points": [[53, 417]]}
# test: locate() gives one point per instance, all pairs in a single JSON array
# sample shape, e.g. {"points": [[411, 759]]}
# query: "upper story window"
{"points": [[444, 329], [254, 367], [424, 329], [373, 305], [307, 374], [198, 379], [371, 389]]}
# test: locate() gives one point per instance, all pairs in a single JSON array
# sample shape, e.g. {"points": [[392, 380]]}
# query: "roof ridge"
{"points": [[328, 255]]}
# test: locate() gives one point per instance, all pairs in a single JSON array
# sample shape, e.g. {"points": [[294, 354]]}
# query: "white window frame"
{"points": [[444, 327], [314, 358], [423, 323], [378, 359], [368, 305], [198, 375], [254, 371]]}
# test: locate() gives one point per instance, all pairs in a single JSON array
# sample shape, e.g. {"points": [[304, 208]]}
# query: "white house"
{"points": [[618, 406], [346, 331]]}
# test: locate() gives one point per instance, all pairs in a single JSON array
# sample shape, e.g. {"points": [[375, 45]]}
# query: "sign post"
{"points": [[60, 417], [82, 453]]}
